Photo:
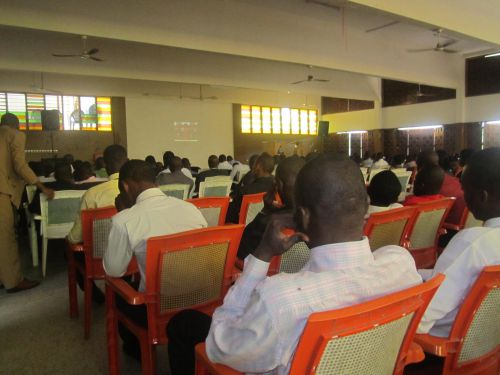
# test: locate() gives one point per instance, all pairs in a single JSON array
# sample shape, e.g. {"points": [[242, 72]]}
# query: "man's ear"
{"points": [[304, 217]]}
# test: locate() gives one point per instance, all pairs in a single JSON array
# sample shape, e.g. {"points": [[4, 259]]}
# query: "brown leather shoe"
{"points": [[23, 285]]}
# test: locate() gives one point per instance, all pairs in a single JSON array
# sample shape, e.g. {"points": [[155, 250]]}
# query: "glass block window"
{"points": [[273, 120], [75, 112]]}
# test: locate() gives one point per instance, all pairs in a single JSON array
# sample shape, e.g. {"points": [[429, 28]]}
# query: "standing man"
{"points": [[14, 175]]}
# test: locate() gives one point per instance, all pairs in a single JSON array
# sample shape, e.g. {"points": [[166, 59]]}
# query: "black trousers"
{"points": [[184, 331]]}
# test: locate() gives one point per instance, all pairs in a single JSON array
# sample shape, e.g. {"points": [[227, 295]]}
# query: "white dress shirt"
{"points": [[154, 214], [225, 165], [468, 252], [257, 328], [381, 163]]}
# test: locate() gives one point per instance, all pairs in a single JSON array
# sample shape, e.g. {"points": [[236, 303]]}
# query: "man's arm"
{"points": [[119, 253]]}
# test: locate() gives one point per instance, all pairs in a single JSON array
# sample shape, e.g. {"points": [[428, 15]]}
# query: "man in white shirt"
{"points": [[380, 162], [257, 328], [167, 159], [146, 212], [470, 250], [223, 163]]}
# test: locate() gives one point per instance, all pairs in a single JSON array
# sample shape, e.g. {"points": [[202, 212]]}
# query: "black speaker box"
{"points": [[50, 120], [323, 128]]}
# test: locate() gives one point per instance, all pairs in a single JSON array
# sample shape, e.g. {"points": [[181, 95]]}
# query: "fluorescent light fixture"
{"points": [[354, 132], [493, 54], [496, 122], [422, 127]]}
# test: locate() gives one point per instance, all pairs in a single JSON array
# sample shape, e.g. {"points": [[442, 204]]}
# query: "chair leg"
{"points": [[45, 241], [112, 333], [88, 307], [33, 243], [148, 357], [73, 299]]}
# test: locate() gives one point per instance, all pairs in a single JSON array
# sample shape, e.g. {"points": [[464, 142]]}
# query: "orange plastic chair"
{"points": [[251, 205], [374, 337], [423, 236], [189, 270], [473, 346], [214, 209], [390, 227], [96, 224], [467, 220]]}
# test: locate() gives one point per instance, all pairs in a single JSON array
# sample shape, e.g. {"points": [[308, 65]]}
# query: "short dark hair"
{"points": [[167, 156], [429, 180], [252, 160], [150, 159], [186, 163], [229, 158], [62, 172], [222, 158], [332, 187], [266, 161], [114, 157], [99, 163], [138, 171], [465, 155], [427, 158], [483, 170], [175, 164], [213, 161], [10, 119], [83, 171], [384, 189]]}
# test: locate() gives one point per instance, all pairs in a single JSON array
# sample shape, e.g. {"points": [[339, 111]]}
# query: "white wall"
{"points": [[368, 119], [482, 108], [150, 128], [435, 113]]}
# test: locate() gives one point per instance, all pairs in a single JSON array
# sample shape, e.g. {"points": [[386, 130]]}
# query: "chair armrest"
{"points": [[205, 366], [415, 354], [451, 226], [129, 294], [439, 346]]}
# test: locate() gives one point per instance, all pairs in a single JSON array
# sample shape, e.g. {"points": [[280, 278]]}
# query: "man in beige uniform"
{"points": [[14, 174]]}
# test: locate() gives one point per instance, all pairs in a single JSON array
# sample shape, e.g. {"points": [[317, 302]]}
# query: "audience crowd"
{"points": [[323, 200]]}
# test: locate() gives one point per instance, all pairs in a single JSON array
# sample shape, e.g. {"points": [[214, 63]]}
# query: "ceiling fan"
{"points": [[85, 54], [41, 87], [310, 78], [440, 47]]}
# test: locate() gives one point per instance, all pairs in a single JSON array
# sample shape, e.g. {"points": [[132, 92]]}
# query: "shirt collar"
{"points": [[492, 223], [341, 256], [114, 176], [149, 193]]}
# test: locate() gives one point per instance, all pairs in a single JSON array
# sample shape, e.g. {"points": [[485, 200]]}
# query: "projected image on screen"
{"points": [[186, 131]]}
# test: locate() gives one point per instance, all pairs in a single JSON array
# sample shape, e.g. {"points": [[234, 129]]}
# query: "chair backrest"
{"points": [[364, 172], [179, 191], [30, 192], [218, 178], [374, 172], [96, 225], [369, 338], [389, 227], [476, 329], [470, 221], [213, 209], [404, 180], [292, 261], [426, 227], [192, 269], [215, 188], [251, 205], [243, 170], [59, 213]]}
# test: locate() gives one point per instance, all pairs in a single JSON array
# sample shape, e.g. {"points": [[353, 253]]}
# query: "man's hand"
{"points": [[45, 190], [275, 240]]}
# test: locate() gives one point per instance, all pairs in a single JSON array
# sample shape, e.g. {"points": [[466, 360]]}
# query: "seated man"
{"points": [[384, 190], [147, 212], [100, 168], [224, 164], [450, 187], [103, 194], [427, 185], [213, 165], [379, 162], [471, 249], [175, 176], [264, 180], [257, 328], [286, 174]]}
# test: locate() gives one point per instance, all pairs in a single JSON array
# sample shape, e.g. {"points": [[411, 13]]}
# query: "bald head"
{"points": [[331, 200]]}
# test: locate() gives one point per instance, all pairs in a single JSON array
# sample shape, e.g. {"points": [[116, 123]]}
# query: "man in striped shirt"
{"points": [[257, 328]]}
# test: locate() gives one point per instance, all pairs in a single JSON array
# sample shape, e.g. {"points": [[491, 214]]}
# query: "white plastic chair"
{"points": [[404, 180], [179, 191], [57, 217], [364, 172], [30, 193], [215, 188], [374, 172], [218, 178]]}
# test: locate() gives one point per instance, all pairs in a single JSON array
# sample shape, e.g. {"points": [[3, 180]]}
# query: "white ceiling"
{"points": [[268, 44]]}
